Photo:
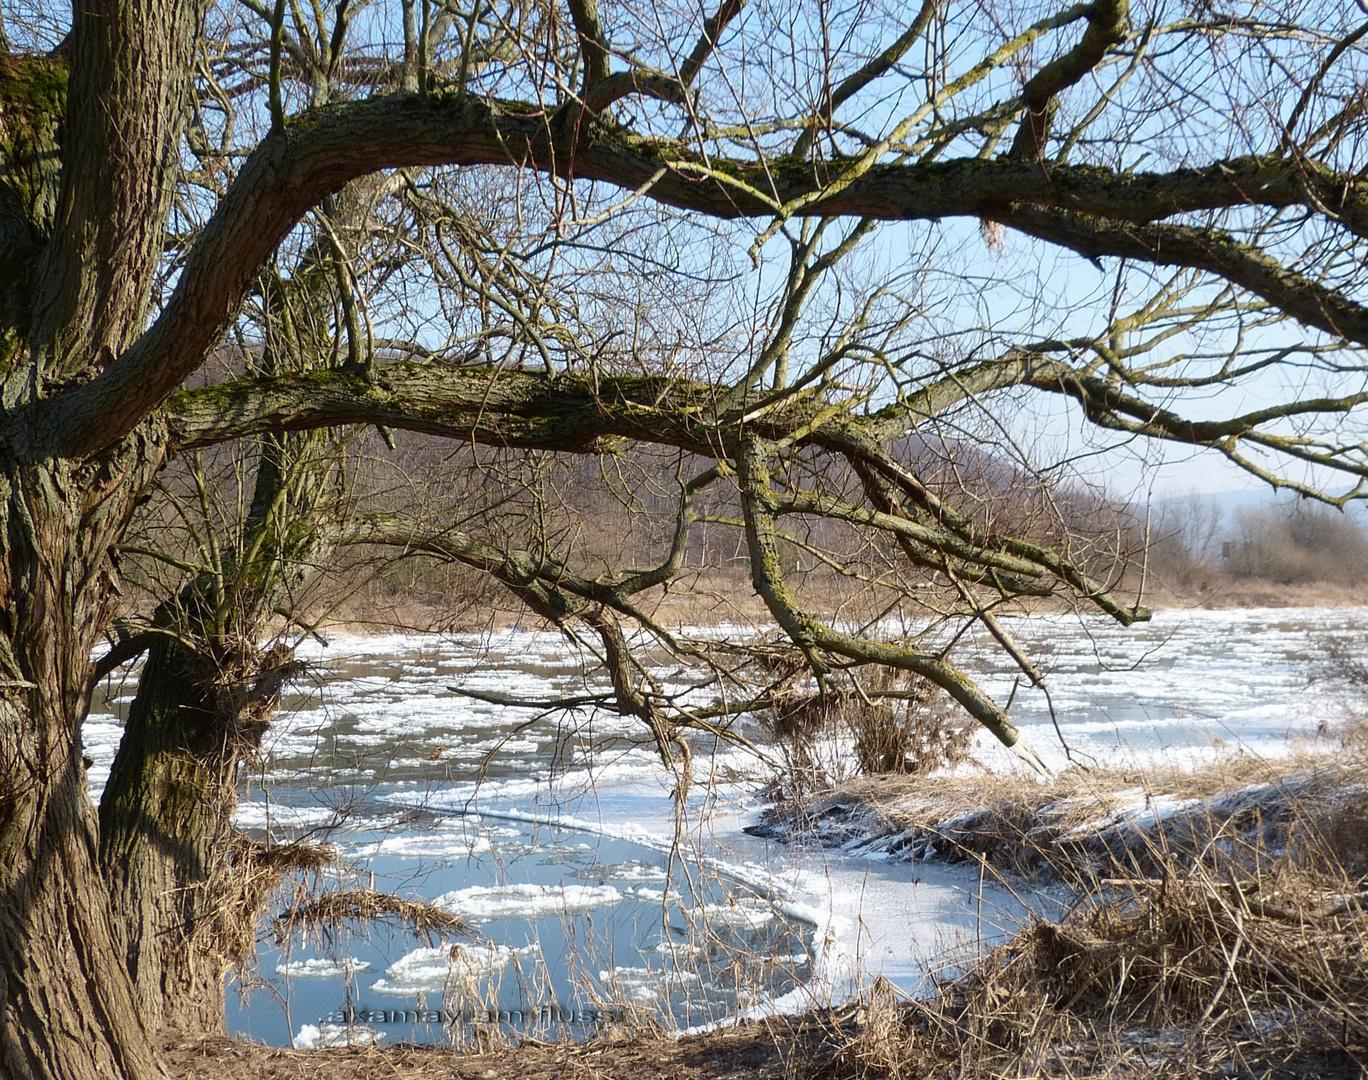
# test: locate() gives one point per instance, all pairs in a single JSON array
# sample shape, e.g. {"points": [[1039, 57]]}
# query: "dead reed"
{"points": [[1236, 945], [368, 905]]}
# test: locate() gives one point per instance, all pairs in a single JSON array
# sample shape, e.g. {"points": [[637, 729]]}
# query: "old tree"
{"points": [[259, 224]]}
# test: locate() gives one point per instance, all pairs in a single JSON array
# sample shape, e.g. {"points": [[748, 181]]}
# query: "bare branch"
{"points": [[593, 44], [874, 69], [325, 148], [707, 41], [813, 636], [1107, 23]]}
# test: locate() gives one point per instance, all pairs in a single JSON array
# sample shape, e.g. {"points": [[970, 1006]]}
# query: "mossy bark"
{"points": [[67, 1008], [165, 829], [88, 141]]}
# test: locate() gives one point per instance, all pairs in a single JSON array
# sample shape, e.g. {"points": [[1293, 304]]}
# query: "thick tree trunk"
{"points": [[205, 696], [176, 868], [165, 832], [66, 1004], [67, 1008]]}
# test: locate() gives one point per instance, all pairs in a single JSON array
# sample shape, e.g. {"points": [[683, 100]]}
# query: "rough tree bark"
{"points": [[67, 1007], [205, 696], [171, 858], [83, 274], [165, 828]]}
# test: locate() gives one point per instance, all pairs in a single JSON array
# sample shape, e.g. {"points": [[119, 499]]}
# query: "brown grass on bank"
{"points": [[775, 1050], [1230, 946], [721, 596], [1085, 824], [1183, 976]]}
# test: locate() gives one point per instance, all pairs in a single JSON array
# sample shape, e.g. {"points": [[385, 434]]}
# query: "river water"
{"points": [[555, 835]]}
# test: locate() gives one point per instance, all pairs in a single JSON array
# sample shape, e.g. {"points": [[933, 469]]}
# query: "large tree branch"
{"points": [[569, 413], [1217, 252], [813, 636], [505, 408], [593, 44], [323, 149], [525, 409]]}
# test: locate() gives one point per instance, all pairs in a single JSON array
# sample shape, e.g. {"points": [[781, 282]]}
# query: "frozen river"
{"points": [[555, 835]]}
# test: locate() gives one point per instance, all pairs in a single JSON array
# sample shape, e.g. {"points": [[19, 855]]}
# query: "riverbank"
{"points": [[1219, 927], [774, 1050], [1086, 824]]}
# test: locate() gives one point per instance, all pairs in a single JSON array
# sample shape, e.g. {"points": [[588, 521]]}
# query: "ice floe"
{"points": [[321, 968], [433, 970], [322, 1036], [487, 903]]}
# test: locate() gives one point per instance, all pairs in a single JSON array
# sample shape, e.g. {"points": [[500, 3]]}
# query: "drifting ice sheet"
{"points": [[486, 903], [431, 971]]}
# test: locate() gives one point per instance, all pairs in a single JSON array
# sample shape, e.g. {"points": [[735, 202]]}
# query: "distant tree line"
{"points": [[1196, 545]]}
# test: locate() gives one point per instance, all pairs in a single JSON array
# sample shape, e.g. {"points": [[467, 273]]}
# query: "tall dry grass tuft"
{"points": [[907, 726], [327, 911], [1215, 952], [894, 724]]}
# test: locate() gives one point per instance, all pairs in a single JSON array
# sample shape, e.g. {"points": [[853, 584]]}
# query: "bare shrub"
{"points": [[1182, 541], [1343, 663], [796, 722], [905, 725], [899, 724]]}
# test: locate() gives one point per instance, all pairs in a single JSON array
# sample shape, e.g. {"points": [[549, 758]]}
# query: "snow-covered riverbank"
{"points": [[443, 794]]}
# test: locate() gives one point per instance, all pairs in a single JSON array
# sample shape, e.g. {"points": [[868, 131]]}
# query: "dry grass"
{"points": [[256, 871], [1181, 976], [766, 1051], [1230, 939], [1083, 825], [1220, 926], [325, 912]]}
